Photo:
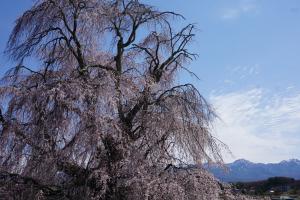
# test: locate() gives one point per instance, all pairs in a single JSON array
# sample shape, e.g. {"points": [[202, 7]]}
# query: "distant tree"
{"points": [[101, 111]]}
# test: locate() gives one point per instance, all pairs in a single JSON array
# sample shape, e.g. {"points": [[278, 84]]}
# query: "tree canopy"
{"points": [[102, 110]]}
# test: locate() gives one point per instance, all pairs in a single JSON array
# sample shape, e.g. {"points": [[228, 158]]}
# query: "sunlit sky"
{"points": [[248, 65]]}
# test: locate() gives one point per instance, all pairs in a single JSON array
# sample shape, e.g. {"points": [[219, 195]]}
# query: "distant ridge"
{"points": [[244, 171]]}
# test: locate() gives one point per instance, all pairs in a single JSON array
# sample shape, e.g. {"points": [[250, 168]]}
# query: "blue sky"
{"points": [[249, 66]]}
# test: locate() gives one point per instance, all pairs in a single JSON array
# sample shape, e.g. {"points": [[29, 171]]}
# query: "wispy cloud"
{"points": [[259, 126], [244, 7], [244, 70], [234, 75]]}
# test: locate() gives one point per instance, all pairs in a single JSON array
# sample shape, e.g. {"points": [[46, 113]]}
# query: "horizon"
{"points": [[248, 67]]}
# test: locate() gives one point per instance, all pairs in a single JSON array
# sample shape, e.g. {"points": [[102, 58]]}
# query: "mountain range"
{"points": [[246, 171]]}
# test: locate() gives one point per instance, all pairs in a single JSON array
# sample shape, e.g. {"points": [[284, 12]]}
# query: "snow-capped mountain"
{"points": [[244, 170]]}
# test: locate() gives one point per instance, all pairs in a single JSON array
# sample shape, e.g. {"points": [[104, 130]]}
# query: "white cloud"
{"points": [[244, 7], [243, 71], [257, 126]]}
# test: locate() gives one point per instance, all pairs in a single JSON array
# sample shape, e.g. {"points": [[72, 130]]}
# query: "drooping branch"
{"points": [[57, 35], [2, 120]]}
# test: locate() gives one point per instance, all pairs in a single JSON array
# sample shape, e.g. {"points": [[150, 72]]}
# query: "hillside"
{"points": [[245, 171]]}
